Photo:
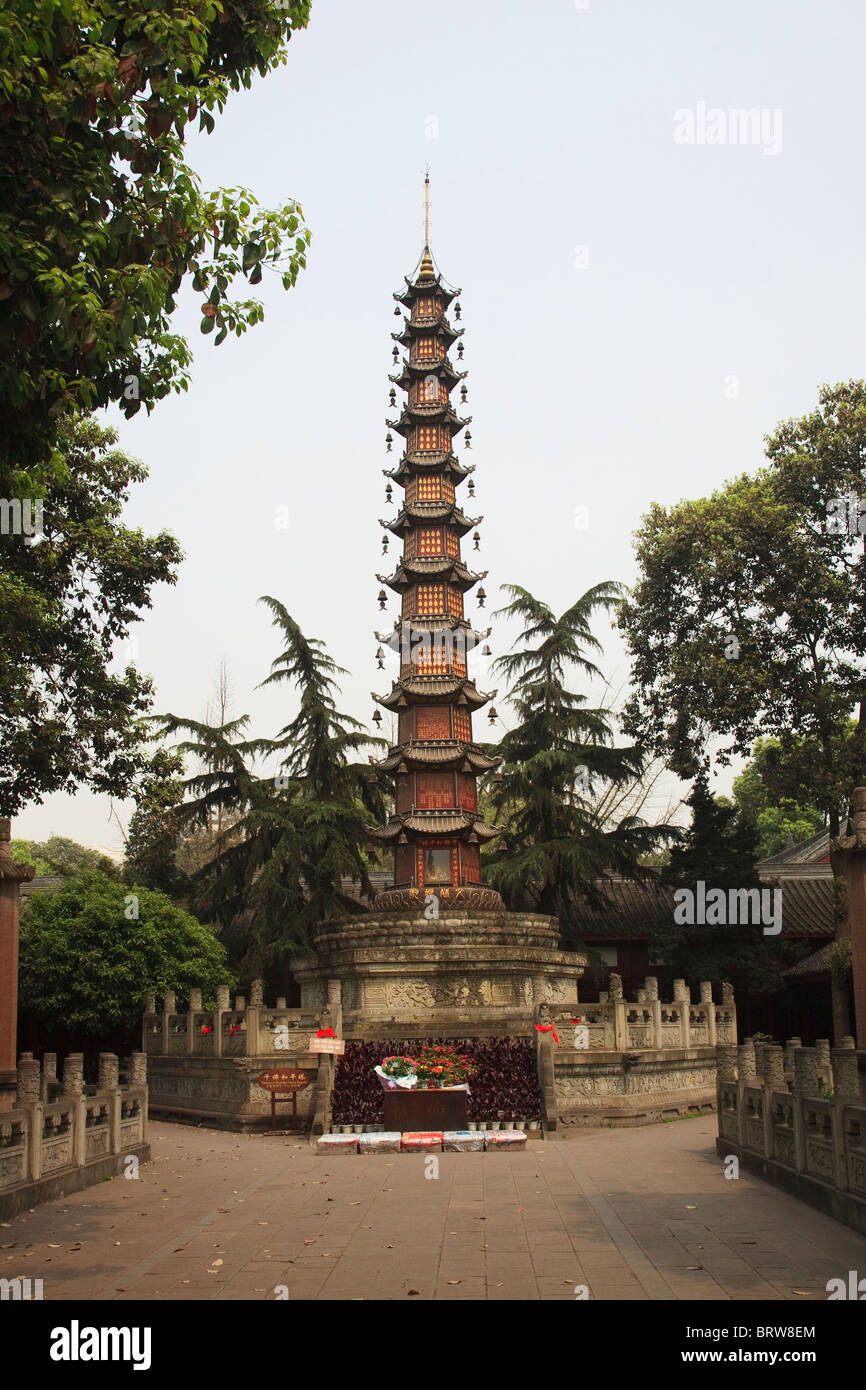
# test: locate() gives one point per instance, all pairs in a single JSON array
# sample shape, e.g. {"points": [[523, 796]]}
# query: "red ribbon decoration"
{"points": [[326, 1033], [547, 1028], [206, 1030]]}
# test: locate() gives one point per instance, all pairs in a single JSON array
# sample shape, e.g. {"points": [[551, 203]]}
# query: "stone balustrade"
{"points": [[801, 1126], [58, 1138], [204, 1063], [624, 1061], [615, 1024], [250, 1029]]}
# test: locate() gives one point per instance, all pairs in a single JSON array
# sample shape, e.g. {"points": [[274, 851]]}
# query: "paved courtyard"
{"points": [[630, 1214]]}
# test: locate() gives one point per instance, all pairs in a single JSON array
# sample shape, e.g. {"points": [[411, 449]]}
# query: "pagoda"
{"points": [[436, 830], [437, 954]]}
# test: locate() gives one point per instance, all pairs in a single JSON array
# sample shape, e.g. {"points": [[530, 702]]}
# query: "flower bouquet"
{"points": [[397, 1073], [443, 1068]]}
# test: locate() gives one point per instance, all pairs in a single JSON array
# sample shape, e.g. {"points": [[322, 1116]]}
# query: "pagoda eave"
{"points": [[457, 825], [410, 690], [413, 513], [447, 755]]}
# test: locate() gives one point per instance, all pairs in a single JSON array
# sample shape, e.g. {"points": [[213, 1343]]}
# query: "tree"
{"points": [[101, 219], [772, 792], [90, 951], [67, 601], [66, 858], [554, 760], [747, 617], [720, 849], [154, 827], [294, 834]]}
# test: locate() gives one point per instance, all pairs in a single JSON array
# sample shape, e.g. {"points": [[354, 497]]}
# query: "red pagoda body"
{"points": [[436, 829]]}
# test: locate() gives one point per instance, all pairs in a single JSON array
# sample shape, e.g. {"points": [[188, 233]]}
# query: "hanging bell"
{"points": [[467, 440], [389, 440], [384, 544], [383, 598], [477, 539], [471, 488], [372, 781], [392, 397], [497, 777], [457, 310], [463, 393], [380, 657], [481, 597], [396, 353], [377, 718], [389, 492], [492, 715], [485, 650], [397, 310], [460, 352]]}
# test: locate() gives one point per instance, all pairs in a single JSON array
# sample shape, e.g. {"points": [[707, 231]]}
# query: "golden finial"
{"points": [[426, 272]]}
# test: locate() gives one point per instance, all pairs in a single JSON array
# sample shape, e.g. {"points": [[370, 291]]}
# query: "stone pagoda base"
{"points": [[467, 973]]}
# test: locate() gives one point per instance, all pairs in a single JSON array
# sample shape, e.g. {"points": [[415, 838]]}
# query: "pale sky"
{"points": [[639, 311]]}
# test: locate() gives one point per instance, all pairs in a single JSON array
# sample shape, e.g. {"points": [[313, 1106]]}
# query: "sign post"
{"points": [[282, 1079]]}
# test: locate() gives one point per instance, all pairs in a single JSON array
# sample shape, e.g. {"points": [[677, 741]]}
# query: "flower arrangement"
{"points": [[397, 1073], [398, 1066], [442, 1066]]}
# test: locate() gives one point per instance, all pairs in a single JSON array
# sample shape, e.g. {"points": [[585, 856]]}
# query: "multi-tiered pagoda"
{"points": [[438, 955], [436, 829]]}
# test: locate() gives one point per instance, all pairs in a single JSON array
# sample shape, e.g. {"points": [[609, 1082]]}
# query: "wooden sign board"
{"points": [[282, 1079], [337, 1045]]}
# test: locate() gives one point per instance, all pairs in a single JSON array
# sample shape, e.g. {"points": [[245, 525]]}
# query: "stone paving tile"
{"points": [[625, 1212]]}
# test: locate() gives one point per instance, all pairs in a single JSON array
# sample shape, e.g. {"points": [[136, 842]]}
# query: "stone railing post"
{"points": [[138, 1081], [12, 875], [825, 1069], [746, 1061], [683, 1001], [29, 1084], [108, 1085], [726, 1062], [807, 1082], [651, 985], [73, 1092], [257, 994], [706, 987], [620, 1027], [846, 1076], [49, 1073], [222, 1006], [193, 1009]]}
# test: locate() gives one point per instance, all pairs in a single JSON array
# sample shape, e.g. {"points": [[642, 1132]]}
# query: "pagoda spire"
{"points": [[436, 830]]}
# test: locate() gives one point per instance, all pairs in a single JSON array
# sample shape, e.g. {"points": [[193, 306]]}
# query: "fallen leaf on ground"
{"points": [[412, 1291], [452, 1281], [804, 1293], [215, 1264]]}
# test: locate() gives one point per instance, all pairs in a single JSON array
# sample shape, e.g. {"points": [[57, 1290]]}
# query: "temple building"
{"points": [[436, 830]]}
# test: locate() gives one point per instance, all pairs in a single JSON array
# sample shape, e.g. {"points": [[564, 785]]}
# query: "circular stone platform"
{"points": [[463, 973]]}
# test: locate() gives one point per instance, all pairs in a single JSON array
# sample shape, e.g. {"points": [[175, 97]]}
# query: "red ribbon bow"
{"points": [[548, 1028], [326, 1033], [206, 1030]]}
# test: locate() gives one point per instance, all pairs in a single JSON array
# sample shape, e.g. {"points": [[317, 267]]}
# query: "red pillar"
{"points": [[11, 877], [853, 847]]}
